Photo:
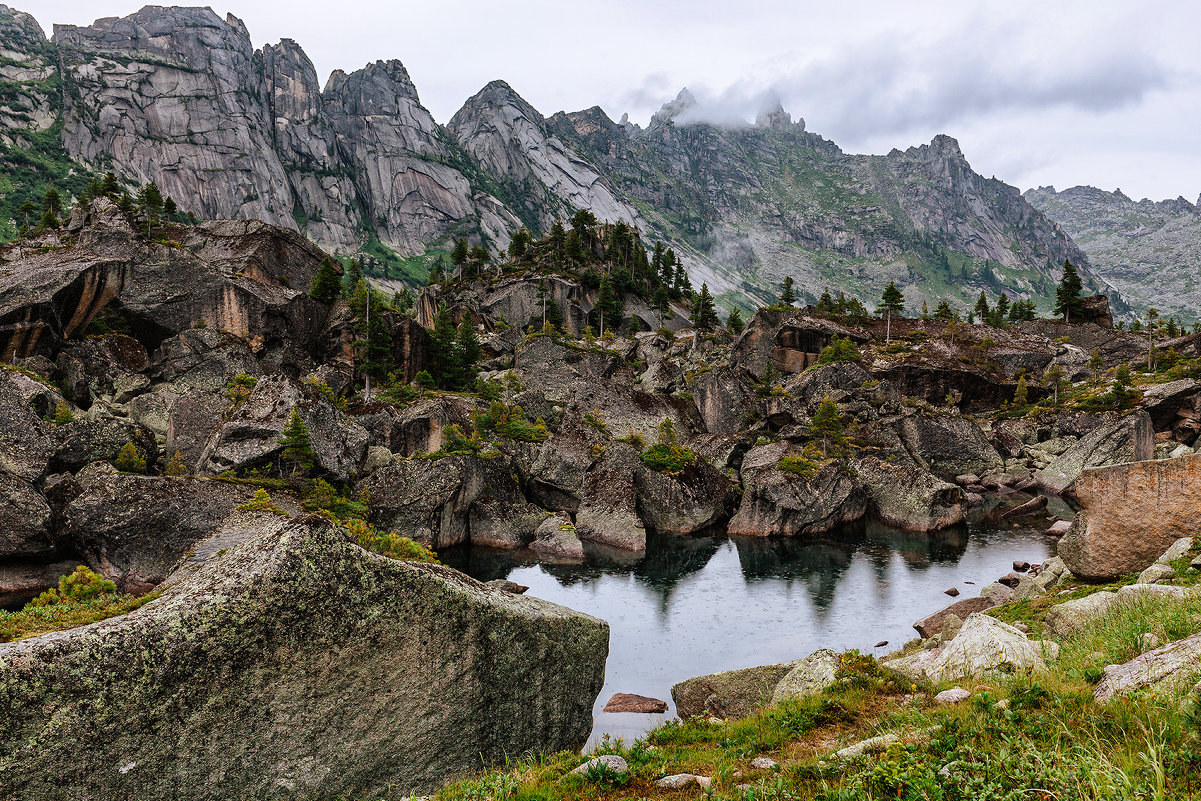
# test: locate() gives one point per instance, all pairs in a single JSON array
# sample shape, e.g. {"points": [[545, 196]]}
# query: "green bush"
{"points": [[386, 543], [668, 457], [840, 349], [509, 421], [239, 388], [799, 465], [176, 467], [81, 585], [261, 502], [129, 460], [63, 414]]}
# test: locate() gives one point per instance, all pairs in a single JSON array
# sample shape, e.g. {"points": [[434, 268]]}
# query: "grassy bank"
{"points": [[1018, 736]]}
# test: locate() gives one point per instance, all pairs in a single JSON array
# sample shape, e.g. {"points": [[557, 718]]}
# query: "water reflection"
{"points": [[694, 605]]}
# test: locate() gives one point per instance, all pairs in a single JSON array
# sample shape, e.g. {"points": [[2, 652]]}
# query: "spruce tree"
{"points": [[1002, 310], [661, 303], [460, 253], [943, 312], [467, 353], [982, 309], [734, 321], [704, 316], [1095, 365], [827, 424], [298, 446], [327, 284], [608, 305], [150, 201], [1067, 295], [558, 238], [787, 295], [443, 354]]}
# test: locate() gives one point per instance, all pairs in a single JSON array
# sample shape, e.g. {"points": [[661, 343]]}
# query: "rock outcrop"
{"points": [[984, 645], [247, 679], [732, 694], [776, 503], [1122, 440]]}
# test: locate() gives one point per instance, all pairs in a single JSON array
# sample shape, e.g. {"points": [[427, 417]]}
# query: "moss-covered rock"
{"points": [[296, 664], [731, 694]]}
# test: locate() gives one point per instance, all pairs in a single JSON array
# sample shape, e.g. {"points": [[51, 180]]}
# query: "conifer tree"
{"points": [[460, 253], [1067, 295], [891, 302], [1095, 365], [704, 316], [943, 312], [787, 295], [982, 309], [298, 446], [150, 201], [1021, 393], [734, 322], [1002, 310], [1056, 378], [467, 353], [327, 284], [558, 238], [925, 313], [608, 304], [661, 303], [443, 357], [827, 424], [520, 244]]}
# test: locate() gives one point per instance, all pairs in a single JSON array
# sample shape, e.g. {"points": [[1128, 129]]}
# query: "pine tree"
{"points": [[925, 313], [1021, 393], [982, 309], [1067, 295], [734, 322], [298, 446], [1120, 393], [608, 304], [661, 303], [558, 238], [460, 253], [1056, 378], [575, 247], [891, 302], [704, 316], [352, 276], [327, 284], [943, 312], [169, 208], [787, 295], [150, 201], [1002, 310], [519, 244], [52, 202]]}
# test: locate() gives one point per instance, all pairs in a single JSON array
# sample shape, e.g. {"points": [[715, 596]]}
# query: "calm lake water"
{"points": [[696, 605]]}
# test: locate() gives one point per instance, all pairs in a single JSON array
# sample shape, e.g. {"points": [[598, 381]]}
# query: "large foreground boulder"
{"points": [[1132, 513], [984, 646], [297, 665]]}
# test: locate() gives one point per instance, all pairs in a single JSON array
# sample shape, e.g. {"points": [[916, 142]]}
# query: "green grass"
{"points": [[75, 602]]}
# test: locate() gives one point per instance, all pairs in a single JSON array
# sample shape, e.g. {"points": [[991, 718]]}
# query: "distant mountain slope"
{"points": [[180, 96], [1149, 252]]}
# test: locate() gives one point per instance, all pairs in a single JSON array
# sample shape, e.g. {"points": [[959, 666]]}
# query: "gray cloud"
{"points": [[896, 84]]}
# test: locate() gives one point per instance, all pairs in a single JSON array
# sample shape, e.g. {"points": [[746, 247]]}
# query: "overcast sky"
{"points": [[1103, 93]]}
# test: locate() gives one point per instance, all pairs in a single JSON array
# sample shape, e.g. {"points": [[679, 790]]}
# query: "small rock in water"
{"points": [[1059, 528], [952, 696], [951, 592], [610, 762], [882, 643], [763, 763], [969, 582], [1021, 566], [1011, 580], [629, 702]]}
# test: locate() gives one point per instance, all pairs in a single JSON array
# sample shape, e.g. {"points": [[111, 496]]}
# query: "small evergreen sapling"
{"points": [[298, 445]]}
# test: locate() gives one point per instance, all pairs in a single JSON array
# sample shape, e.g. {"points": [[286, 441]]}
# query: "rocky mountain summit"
{"points": [[1148, 251], [179, 96]]}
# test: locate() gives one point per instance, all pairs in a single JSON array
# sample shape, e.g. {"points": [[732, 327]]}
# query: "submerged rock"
{"points": [[249, 679], [629, 702]]}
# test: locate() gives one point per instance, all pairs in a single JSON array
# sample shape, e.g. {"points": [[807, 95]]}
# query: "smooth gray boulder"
{"points": [[133, 529], [25, 519], [777, 503], [555, 540], [1166, 670], [812, 674], [25, 445], [984, 645], [1069, 617], [909, 497], [608, 511], [296, 664]]}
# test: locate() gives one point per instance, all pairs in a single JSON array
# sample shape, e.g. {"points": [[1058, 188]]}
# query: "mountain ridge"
{"points": [[180, 96]]}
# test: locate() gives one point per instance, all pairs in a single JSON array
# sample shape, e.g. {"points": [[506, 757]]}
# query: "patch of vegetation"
{"points": [[801, 466], [129, 460], [386, 543], [840, 349], [509, 421], [81, 597], [261, 502]]}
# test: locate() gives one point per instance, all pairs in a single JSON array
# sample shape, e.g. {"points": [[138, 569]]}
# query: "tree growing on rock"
{"points": [[734, 322], [827, 428], [1095, 365], [787, 294], [891, 302], [982, 308], [704, 315], [298, 451], [327, 284], [1056, 379]]}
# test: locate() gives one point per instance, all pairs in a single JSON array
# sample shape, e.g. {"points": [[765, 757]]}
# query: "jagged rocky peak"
{"points": [[380, 102], [26, 68], [777, 119], [175, 96], [511, 139], [683, 101]]}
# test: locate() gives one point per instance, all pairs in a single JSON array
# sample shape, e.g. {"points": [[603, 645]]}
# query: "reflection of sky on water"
{"points": [[697, 605]]}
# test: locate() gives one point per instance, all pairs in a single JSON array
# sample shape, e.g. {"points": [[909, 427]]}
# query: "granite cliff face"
{"points": [[1147, 251], [181, 97], [759, 202]]}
